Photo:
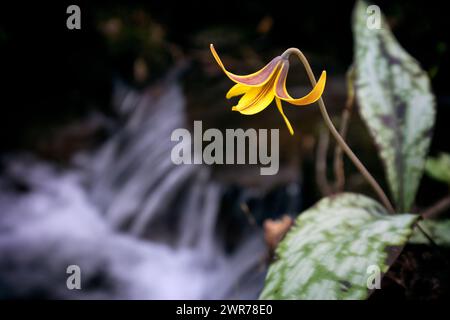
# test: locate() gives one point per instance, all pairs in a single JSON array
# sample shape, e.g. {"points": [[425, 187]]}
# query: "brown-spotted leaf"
{"points": [[330, 250], [395, 101]]}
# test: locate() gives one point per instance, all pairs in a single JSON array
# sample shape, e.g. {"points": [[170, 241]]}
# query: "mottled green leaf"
{"points": [[326, 253], [396, 103], [438, 230], [439, 168]]}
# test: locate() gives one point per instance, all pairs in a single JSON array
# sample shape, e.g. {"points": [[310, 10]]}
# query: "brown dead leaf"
{"points": [[275, 230]]}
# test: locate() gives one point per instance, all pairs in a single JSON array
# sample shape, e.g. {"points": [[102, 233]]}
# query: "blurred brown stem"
{"points": [[437, 208], [345, 120], [321, 166]]}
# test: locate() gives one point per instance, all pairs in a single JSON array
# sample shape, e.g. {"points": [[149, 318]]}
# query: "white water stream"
{"points": [[138, 226]]}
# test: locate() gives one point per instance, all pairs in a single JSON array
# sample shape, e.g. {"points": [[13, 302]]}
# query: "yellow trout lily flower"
{"points": [[259, 89]]}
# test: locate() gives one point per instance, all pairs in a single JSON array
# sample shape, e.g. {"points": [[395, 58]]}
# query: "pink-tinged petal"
{"points": [[280, 83], [256, 79]]}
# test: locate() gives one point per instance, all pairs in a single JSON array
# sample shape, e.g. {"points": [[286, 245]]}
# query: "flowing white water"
{"points": [[138, 226]]}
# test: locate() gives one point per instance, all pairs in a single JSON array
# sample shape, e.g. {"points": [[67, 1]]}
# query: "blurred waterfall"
{"points": [[138, 226]]}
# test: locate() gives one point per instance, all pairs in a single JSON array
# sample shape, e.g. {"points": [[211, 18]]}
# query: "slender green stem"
{"points": [[370, 179]]}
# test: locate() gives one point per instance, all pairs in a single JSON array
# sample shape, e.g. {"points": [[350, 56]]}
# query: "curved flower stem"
{"points": [[376, 187]]}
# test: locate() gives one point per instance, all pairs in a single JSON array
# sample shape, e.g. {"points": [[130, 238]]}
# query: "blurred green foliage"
{"points": [[439, 167]]}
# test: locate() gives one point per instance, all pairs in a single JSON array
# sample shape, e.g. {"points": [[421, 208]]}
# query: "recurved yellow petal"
{"points": [[256, 79], [311, 97], [280, 108], [237, 90]]}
